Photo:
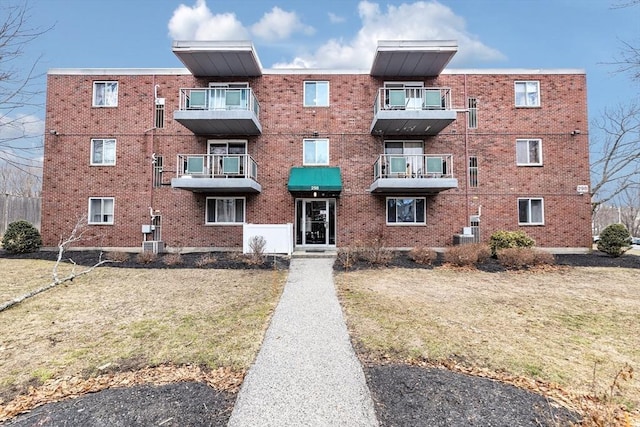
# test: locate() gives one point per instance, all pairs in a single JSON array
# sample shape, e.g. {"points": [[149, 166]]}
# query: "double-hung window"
{"points": [[406, 210], [105, 94], [529, 152], [225, 210], [316, 94], [103, 152], [101, 210], [315, 152], [531, 211], [527, 93]]}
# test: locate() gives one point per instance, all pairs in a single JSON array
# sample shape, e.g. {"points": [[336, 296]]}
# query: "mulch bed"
{"points": [[404, 394]]}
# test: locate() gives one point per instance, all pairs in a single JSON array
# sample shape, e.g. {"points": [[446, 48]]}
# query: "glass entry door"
{"points": [[315, 222]]}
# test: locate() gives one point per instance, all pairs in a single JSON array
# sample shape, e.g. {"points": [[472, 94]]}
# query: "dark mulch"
{"points": [[404, 395]]}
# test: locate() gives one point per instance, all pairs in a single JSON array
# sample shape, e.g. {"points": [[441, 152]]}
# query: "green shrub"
{"points": [[21, 237], [614, 240], [509, 239]]}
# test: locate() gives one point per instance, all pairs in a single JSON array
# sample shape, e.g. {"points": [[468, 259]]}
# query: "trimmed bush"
{"points": [[466, 255], [172, 259], [117, 256], [614, 240], [423, 255], [21, 237], [519, 258], [509, 239], [146, 257]]}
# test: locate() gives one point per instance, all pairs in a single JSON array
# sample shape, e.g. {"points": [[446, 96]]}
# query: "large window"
{"points": [[406, 210], [316, 94], [103, 152], [105, 94], [473, 171], [527, 94], [101, 210], [316, 152], [472, 118], [530, 211], [529, 152], [225, 210]]}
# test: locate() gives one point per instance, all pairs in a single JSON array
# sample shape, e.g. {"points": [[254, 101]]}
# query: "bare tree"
{"points": [[630, 209], [20, 92], [617, 166]]}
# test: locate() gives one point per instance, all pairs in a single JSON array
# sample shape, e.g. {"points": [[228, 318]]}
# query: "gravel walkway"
{"points": [[306, 373]]}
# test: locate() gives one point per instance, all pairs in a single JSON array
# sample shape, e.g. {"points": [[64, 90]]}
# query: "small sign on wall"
{"points": [[582, 189]]}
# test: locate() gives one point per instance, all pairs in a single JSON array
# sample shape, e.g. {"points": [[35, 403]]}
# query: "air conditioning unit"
{"points": [[154, 246]]}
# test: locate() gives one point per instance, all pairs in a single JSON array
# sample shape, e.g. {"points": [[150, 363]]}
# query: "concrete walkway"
{"points": [[306, 373]]}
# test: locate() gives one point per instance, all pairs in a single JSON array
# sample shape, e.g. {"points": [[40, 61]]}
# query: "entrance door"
{"points": [[315, 222]]}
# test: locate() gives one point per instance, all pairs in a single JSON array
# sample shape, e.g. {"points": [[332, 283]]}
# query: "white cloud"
{"points": [[336, 19], [22, 126], [422, 20], [198, 23], [279, 25]]}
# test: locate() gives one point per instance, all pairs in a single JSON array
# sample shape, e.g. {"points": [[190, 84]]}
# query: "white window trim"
{"points": [[206, 212], [93, 93], [89, 216], [515, 95], [404, 224], [304, 152], [304, 94], [211, 142], [529, 163], [529, 199], [115, 147]]}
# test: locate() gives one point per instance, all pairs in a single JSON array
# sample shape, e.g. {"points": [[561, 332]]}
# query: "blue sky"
{"points": [[585, 34]]}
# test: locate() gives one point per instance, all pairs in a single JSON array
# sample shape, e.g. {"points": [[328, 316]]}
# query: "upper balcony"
{"points": [[413, 173], [219, 111], [217, 173], [412, 111]]}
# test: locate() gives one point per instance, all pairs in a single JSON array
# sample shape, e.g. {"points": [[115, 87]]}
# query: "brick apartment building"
{"points": [[407, 150]]}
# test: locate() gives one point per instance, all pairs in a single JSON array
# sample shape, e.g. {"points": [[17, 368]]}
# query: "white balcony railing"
{"points": [[427, 98], [217, 166], [413, 166], [219, 99]]}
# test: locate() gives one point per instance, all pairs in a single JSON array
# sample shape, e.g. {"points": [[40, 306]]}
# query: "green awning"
{"points": [[315, 179]]}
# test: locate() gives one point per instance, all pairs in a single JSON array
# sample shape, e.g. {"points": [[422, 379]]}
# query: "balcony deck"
{"points": [[413, 174], [412, 111], [217, 173], [219, 111]]}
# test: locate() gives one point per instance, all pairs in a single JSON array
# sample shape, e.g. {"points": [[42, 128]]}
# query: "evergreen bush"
{"points": [[509, 239], [614, 240], [21, 237]]}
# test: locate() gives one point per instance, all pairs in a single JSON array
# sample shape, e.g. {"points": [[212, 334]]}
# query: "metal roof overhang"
{"points": [[218, 58], [419, 58]]}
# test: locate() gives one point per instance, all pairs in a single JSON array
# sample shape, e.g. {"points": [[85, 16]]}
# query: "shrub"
{"points": [[614, 240], [146, 257], [21, 237], [257, 244], [423, 255], [461, 255], [509, 239], [519, 258], [117, 256], [374, 251], [205, 259], [172, 259]]}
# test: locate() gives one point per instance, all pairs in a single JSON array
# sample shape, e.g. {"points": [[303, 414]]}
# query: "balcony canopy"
{"points": [[320, 179], [218, 58], [412, 58]]}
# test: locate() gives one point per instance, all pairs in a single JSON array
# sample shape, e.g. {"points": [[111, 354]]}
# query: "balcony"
{"points": [[217, 173], [219, 111], [412, 111], [413, 173]]}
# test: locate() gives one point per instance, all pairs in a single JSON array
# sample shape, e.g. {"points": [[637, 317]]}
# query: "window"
{"points": [[103, 152], [472, 105], [101, 210], [157, 170], [316, 94], [529, 152], [528, 94], [406, 210], [316, 152], [530, 212], [105, 94], [158, 118], [473, 171], [225, 210]]}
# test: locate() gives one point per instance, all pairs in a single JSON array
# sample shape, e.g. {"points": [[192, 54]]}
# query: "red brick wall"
{"points": [[69, 180]]}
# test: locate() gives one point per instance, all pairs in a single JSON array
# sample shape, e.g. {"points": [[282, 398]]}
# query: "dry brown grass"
{"points": [[555, 326], [130, 318]]}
